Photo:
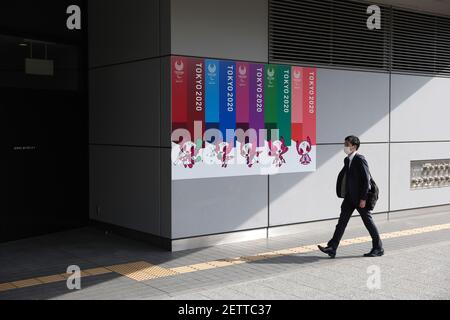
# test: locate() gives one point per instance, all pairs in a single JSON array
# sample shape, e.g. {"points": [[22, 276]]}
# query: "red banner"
{"points": [[309, 104], [180, 67], [196, 98]]}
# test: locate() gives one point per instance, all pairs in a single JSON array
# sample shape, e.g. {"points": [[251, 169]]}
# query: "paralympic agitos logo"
{"points": [[179, 70]]}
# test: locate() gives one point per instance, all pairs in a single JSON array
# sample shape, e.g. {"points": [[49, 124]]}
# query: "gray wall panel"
{"points": [[305, 197], [232, 29], [165, 27], [350, 102], [166, 101], [402, 197], [420, 108], [125, 104], [130, 105], [121, 31], [209, 206], [166, 193], [125, 185]]}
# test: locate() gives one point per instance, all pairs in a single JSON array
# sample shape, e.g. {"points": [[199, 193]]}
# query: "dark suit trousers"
{"points": [[347, 209]]}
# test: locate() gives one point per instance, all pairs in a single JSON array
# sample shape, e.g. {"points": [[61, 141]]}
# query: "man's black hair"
{"points": [[354, 141]]}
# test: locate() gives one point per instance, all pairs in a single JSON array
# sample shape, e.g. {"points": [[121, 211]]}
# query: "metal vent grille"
{"points": [[420, 43], [300, 31], [443, 46], [327, 33], [333, 33]]}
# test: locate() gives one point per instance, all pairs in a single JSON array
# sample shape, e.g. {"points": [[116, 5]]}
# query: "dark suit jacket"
{"points": [[356, 181]]}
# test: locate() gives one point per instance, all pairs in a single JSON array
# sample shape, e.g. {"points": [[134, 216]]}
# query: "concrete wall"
{"points": [[125, 104], [213, 28], [420, 131], [304, 197], [402, 197], [121, 32], [128, 44], [125, 187], [210, 206], [230, 29], [420, 109], [349, 102], [352, 102], [398, 118]]}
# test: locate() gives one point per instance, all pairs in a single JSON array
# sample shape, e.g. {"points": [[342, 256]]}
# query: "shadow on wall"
{"points": [[90, 248], [348, 103]]}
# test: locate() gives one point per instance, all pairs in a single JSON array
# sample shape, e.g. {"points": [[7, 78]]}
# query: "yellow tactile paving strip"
{"points": [[26, 283], [142, 271], [51, 279], [182, 270]]}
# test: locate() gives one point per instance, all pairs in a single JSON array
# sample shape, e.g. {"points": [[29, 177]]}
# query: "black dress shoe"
{"points": [[375, 253], [328, 250]]}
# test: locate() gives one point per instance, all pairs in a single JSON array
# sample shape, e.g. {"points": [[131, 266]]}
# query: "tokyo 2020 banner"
{"points": [[233, 118]]}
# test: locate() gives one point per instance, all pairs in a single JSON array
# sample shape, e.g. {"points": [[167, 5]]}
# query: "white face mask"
{"points": [[348, 150]]}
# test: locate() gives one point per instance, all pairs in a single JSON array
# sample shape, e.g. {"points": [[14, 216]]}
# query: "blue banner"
{"points": [[227, 97], [212, 79]]}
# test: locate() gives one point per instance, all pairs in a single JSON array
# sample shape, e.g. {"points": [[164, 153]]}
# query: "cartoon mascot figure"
{"points": [[277, 149], [223, 150], [303, 149], [248, 151], [188, 154]]}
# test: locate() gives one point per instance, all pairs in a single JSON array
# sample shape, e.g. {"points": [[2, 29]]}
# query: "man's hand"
{"points": [[362, 204]]}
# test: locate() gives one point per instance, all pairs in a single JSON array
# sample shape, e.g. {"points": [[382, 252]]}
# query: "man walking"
{"points": [[355, 182]]}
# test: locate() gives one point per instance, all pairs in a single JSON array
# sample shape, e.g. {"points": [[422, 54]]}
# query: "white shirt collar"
{"points": [[350, 157]]}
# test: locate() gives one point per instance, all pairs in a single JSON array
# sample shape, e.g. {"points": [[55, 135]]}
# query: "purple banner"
{"points": [[257, 99]]}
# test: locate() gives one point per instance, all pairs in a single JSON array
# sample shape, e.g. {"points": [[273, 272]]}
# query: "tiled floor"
{"points": [[416, 266]]}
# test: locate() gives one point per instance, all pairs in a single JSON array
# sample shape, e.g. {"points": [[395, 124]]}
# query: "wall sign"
{"points": [[234, 118]]}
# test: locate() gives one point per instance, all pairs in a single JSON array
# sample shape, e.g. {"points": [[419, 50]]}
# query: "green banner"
{"points": [[271, 100]]}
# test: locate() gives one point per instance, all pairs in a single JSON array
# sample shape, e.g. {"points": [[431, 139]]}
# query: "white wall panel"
{"points": [[302, 197], [210, 206], [350, 102], [420, 108], [232, 29], [402, 197]]}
